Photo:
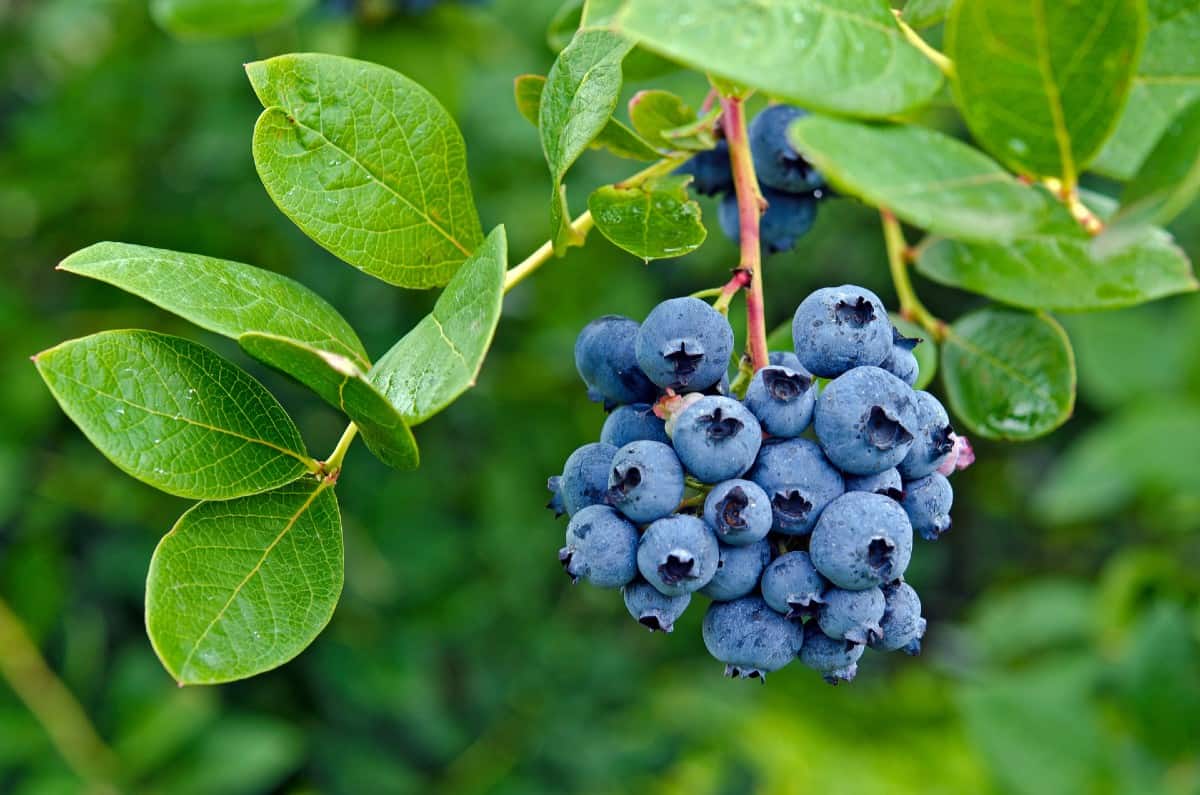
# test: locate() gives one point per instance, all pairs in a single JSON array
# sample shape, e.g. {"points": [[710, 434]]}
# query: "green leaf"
{"points": [[598, 13], [1061, 267], [578, 100], [655, 114], [1009, 374], [1169, 179], [174, 414], [653, 220], [224, 297], [1041, 84], [926, 351], [563, 24], [241, 587], [224, 18], [1167, 80], [368, 164], [343, 384], [1135, 452], [842, 56], [926, 13], [926, 178], [440, 358], [615, 137]]}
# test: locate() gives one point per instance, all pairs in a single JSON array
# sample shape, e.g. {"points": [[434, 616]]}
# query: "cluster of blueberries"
{"points": [[793, 509], [790, 185]]}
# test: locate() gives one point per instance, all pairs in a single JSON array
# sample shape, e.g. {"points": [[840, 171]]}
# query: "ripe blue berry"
{"points": [[716, 438], [739, 511], [584, 479], [782, 400], [839, 328], [749, 637], [793, 586], [788, 218], [932, 438], [606, 361], [900, 361], [866, 420], [652, 610], [633, 423], [902, 625], [786, 359], [835, 660], [684, 345], [776, 162], [711, 170], [556, 504], [646, 481], [799, 480], [862, 540], [738, 571], [852, 615], [601, 548], [927, 502], [887, 483], [678, 555]]}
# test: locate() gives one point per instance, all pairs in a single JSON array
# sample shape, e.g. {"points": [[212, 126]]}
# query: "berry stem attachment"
{"points": [[938, 58], [740, 279], [911, 307], [332, 467], [750, 209]]}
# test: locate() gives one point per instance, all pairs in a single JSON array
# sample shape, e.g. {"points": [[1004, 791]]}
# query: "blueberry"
{"points": [[902, 624], [862, 540], [739, 511], [584, 479], [852, 615], [887, 483], [601, 548], [782, 400], [606, 361], [839, 328], [651, 608], [678, 555], [933, 438], [749, 637], [900, 360], [646, 481], [776, 162], [835, 660], [793, 586], [716, 438], [738, 571], [684, 345], [927, 502], [799, 480], [556, 504], [866, 420], [786, 359], [633, 423], [711, 170], [788, 218]]}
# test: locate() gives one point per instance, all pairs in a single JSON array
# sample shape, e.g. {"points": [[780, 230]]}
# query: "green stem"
{"points": [[44, 694], [938, 58], [332, 467], [911, 307]]}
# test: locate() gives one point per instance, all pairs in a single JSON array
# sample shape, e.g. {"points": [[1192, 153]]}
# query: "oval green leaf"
{"points": [[842, 56], [925, 177], [195, 19], [1009, 374], [926, 350], [615, 137], [652, 220], [241, 587], [1066, 68], [341, 383], [1169, 179], [174, 414], [1061, 267], [440, 358], [659, 115], [368, 164], [925, 13]]}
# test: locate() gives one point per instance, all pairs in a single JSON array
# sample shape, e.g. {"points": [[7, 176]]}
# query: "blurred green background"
{"points": [[1063, 654]]}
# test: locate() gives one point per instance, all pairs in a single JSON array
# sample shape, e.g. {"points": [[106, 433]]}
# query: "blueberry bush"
{"points": [[1024, 159]]}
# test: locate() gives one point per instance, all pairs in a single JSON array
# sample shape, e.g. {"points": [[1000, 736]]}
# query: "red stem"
{"points": [[750, 209]]}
